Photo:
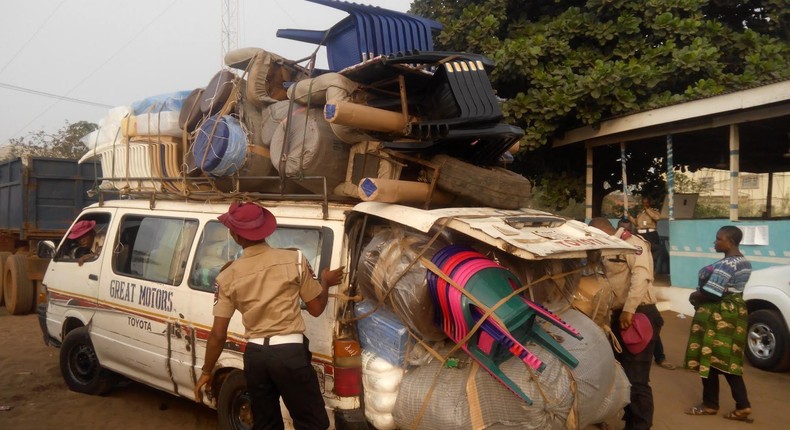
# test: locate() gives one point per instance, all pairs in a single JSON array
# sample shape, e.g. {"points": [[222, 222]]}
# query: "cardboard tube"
{"points": [[397, 191], [364, 117]]}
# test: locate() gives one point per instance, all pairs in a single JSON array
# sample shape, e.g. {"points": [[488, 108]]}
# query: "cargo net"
{"points": [[397, 323]]}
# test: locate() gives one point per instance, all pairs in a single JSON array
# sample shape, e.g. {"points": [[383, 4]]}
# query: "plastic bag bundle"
{"points": [[600, 388], [310, 149], [381, 267]]}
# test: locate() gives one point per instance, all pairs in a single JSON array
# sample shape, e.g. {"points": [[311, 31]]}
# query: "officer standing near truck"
{"points": [[265, 285]]}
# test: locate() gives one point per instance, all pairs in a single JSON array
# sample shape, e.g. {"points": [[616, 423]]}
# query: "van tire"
{"points": [[233, 403], [80, 366], [18, 291], [3, 256]]}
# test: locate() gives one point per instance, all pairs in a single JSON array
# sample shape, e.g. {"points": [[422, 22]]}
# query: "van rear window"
{"points": [[154, 248]]}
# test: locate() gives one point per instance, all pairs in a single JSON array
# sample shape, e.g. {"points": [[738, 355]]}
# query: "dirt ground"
{"points": [[31, 385]]}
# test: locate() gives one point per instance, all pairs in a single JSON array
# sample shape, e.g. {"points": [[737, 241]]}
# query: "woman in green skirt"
{"points": [[718, 331]]}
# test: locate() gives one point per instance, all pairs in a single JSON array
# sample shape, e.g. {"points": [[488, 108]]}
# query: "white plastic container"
{"points": [[163, 123]]}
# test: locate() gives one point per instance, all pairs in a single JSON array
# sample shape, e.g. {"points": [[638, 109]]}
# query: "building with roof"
{"points": [[745, 136]]}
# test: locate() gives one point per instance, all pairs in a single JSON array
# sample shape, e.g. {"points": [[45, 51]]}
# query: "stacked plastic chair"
{"points": [[449, 93], [492, 344], [367, 32]]}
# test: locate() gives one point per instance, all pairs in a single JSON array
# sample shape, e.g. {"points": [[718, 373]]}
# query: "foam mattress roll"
{"points": [[364, 117], [322, 89], [397, 191]]}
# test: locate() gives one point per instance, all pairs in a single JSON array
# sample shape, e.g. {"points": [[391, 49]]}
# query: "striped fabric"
{"points": [[726, 276]]}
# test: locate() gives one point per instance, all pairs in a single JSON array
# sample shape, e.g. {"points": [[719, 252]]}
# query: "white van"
{"points": [[142, 306]]}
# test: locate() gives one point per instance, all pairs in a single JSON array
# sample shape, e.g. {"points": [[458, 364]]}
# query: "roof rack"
{"points": [[204, 189]]}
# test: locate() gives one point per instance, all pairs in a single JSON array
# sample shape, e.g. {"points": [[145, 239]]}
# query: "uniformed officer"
{"points": [[631, 278], [646, 222], [265, 285]]}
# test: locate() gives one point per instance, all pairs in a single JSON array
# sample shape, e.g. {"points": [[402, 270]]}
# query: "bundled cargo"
{"points": [[596, 390]]}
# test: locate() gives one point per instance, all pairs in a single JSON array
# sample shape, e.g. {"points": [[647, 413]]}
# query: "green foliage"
{"points": [[685, 184], [557, 191], [64, 143], [563, 64]]}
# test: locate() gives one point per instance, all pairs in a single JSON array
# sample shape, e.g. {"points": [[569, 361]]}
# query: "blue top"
{"points": [[726, 276]]}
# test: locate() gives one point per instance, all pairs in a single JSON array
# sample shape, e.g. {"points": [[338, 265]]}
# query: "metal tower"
{"points": [[230, 25]]}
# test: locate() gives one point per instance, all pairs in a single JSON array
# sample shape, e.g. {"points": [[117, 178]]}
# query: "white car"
{"points": [[767, 295]]}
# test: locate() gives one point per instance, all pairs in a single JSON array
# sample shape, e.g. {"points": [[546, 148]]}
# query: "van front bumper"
{"points": [[41, 309]]}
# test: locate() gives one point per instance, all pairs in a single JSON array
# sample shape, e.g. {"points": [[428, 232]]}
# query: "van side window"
{"points": [[88, 246], [216, 248], [154, 248], [308, 240]]}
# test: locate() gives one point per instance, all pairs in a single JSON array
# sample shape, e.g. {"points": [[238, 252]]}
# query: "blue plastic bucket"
{"points": [[220, 146]]}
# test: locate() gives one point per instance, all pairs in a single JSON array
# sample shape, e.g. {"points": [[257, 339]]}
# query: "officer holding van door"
{"points": [[265, 285]]}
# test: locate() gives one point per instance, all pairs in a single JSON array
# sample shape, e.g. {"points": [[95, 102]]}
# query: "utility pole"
{"points": [[230, 25]]}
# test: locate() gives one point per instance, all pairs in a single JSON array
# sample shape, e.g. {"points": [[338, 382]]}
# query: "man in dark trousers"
{"points": [[265, 285], [631, 279]]}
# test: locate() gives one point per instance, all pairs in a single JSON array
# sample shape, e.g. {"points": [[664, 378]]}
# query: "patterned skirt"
{"points": [[718, 336]]}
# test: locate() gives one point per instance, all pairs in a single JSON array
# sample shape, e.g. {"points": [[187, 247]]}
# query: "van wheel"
{"points": [[18, 291], [80, 366], [767, 341], [3, 256], [233, 403]]}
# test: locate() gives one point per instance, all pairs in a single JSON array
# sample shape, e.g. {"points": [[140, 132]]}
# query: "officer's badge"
{"points": [[638, 250]]}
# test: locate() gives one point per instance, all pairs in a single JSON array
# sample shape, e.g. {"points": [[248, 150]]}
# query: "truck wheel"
{"points": [[233, 403], [18, 291], [767, 341], [80, 366], [3, 256]]}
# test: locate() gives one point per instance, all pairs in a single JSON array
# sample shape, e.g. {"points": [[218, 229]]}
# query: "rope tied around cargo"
{"points": [[487, 313], [490, 312], [411, 264]]}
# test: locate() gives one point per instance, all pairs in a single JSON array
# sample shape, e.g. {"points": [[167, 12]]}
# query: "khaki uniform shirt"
{"points": [[265, 285], [631, 276], [646, 219]]}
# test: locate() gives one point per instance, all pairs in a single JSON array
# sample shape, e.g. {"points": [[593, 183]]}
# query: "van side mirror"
{"points": [[45, 249]]}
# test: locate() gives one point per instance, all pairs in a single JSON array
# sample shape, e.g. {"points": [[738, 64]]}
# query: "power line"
{"points": [[96, 69], [35, 33], [54, 96]]}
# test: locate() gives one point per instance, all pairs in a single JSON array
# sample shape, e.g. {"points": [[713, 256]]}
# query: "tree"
{"points": [[563, 64], [64, 143]]}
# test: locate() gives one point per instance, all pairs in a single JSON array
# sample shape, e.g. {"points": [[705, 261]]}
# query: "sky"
{"points": [[72, 60]]}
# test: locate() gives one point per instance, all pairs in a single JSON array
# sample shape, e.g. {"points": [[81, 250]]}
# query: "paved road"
{"points": [[31, 383]]}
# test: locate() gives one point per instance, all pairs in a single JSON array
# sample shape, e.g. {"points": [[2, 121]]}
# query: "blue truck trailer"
{"points": [[39, 199]]}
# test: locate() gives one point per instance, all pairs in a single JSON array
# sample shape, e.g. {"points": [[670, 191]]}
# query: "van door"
{"points": [[141, 295], [73, 287], [215, 248]]}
